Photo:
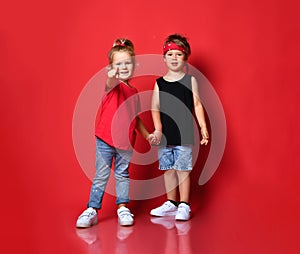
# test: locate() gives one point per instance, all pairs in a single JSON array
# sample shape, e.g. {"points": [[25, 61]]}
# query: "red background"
{"points": [[247, 49]]}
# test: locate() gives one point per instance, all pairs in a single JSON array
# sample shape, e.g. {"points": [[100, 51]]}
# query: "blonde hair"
{"points": [[181, 41], [123, 45]]}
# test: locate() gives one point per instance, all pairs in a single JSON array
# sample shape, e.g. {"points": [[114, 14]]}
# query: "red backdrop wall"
{"points": [[247, 49]]}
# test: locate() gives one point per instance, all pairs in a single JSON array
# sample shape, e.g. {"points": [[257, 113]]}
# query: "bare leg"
{"points": [[184, 185], [171, 183]]}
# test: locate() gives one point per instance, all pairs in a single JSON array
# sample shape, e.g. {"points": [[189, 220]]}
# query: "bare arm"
{"points": [[112, 79], [199, 111], [141, 128], [156, 113], [143, 131]]}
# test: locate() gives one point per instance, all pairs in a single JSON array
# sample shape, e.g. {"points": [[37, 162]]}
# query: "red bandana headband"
{"points": [[173, 46]]}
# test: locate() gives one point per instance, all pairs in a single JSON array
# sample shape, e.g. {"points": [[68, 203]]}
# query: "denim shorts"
{"points": [[175, 157]]}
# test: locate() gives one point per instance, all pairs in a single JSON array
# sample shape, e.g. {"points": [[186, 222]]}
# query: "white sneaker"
{"points": [[184, 212], [166, 209], [88, 218], [125, 217]]}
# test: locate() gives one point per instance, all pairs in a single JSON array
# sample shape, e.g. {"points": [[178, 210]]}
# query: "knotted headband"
{"points": [[173, 46]]}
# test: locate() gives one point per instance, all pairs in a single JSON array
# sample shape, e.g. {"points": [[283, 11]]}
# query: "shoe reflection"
{"points": [[123, 232], [88, 235], [92, 237], [177, 235], [183, 227], [183, 235], [167, 222]]}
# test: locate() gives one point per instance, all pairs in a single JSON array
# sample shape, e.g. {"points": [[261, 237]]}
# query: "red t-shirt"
{"points": [[117, 117]]}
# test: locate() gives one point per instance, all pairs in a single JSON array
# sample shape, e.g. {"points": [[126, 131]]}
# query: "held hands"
{"points": [[152, 139], [205, 136], [155, 137]]}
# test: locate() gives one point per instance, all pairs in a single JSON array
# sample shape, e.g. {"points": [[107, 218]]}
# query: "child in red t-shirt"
{"points": [[115, 134]]}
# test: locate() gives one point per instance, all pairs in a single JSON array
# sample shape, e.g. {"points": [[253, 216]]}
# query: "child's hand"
{"points": [[155, 138], [152, 139], [158, 137], [113, 73], [205, 136]]}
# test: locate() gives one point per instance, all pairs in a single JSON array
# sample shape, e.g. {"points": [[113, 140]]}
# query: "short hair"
{"points": [[180, 41]]}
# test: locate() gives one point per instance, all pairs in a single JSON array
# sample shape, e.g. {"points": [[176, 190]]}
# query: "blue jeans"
{"points": [[104, 157]]}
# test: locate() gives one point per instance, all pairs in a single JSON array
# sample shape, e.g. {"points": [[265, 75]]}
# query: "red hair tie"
{"points": [[173, 46], [119, 43]]}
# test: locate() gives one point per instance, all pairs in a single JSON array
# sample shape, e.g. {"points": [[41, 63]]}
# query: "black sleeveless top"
{"points": [[176, 111]]}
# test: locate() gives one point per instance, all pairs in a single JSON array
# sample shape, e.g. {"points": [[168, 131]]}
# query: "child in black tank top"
{"points": [[174, 101]]}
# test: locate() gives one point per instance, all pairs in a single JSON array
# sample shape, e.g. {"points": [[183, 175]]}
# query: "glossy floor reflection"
{"points": [[212, 229], [150, 234], [230, 228]]}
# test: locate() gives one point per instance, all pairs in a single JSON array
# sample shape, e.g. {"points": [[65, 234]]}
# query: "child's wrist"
{"points": [[148, 136]]}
